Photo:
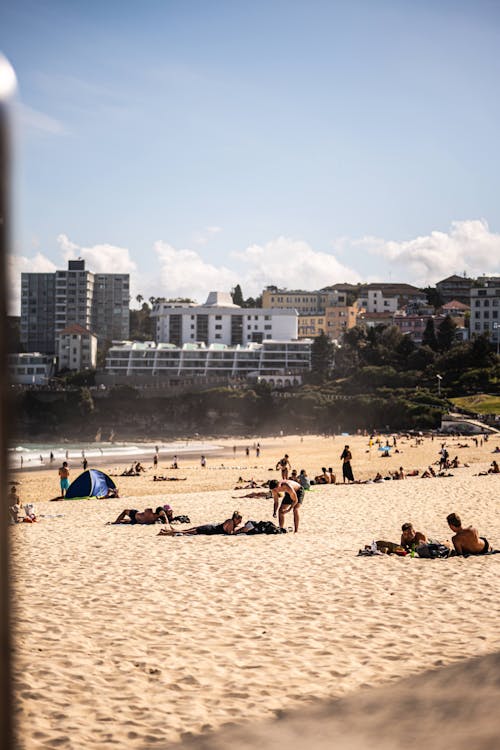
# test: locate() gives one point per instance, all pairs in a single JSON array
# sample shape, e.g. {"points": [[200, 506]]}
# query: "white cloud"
{"points": [[293, 264], [18, 264], [99, 258], [468, 246], [283, 261], [184, 273]]}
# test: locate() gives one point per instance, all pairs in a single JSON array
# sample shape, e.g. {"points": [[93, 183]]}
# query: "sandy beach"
{"points": [[128, 638]]}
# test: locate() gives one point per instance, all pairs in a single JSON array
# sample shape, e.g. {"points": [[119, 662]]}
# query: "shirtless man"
{"points": [[411, 538], [147, 516], [284, 464], [466, 541], [64, 478], [292, 500]]}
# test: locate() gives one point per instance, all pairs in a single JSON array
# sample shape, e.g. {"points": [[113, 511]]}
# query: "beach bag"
{"points": [[266, 527], [432, 550]]}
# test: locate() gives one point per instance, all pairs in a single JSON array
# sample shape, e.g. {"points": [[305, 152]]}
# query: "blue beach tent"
{"points": [[91, 483]]}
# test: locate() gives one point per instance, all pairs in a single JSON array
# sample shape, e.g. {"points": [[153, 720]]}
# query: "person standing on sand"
{"points": [[284, 464], [203, 462], [64, 478], [292, 500], [155, 460], [346, 457]]}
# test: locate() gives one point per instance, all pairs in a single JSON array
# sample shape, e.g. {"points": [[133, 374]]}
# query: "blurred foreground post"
{"points": [[7, 87]]}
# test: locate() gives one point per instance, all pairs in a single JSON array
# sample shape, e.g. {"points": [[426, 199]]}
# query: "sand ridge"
{"points": [[126, 637]]}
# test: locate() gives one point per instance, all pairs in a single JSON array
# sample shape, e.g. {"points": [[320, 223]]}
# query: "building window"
{"points": [[218, 327]]}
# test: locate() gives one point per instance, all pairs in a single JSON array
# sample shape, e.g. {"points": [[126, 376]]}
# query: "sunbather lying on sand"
{"points": [[147, 516], [209, 529], [169, 479], [251, 494], [411, 538]]}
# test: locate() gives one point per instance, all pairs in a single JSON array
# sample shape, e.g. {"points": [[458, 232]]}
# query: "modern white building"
{"points": [[167, 360], [76, 348], [31, 369], [220, 321], [484, 310]]}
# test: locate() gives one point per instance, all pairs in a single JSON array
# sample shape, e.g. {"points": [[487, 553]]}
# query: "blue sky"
{"points": [[202, 143]]}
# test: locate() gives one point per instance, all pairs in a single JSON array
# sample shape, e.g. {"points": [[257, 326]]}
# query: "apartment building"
{"points": [[220, 321], [485, 306], [30, 369], [76, 348], [151, 360], [52, 302], [455, 288], [38, 307]]}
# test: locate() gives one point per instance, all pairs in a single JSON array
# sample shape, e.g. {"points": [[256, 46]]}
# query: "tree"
{"points": [[237, 296], [446, 334], [139, 298], [429, 335], [322, 352], [433, 296]]}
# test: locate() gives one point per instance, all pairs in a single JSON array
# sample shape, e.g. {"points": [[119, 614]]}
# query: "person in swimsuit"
{"points": [[346, 457], [64, 478], [284, 464], [411, 538], [147, 516], [292, 500], [228, 527], [466, 541]]}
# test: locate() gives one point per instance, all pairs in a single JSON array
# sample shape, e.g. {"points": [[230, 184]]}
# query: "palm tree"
{"points": [[139, 299]]}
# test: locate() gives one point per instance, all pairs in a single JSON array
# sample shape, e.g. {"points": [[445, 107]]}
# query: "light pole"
{"points": [[439, 379]]}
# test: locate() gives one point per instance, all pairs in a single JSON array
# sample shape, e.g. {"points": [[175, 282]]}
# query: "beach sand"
{"points": [[128, 638]]}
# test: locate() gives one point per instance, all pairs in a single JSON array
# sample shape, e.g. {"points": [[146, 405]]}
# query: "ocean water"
{"points": [[38, 454]]}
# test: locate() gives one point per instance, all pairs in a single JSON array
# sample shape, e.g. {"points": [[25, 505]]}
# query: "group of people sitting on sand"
{"points": [[465, 541], [135, 470], [494, 469]]}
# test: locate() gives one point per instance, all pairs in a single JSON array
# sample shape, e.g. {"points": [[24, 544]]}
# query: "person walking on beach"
{"points": [[203, 462], [346, 457], [155, 460], [85, 463], [64, 478], [292, 500], [284, 464]]}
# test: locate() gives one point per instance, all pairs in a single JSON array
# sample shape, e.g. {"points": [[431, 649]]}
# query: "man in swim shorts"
{"points": [[466, 541], [292, 500], [64, 478], [283, 465]]}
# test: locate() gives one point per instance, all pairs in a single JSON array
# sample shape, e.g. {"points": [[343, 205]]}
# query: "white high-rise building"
{"points": [[220, 321]]}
